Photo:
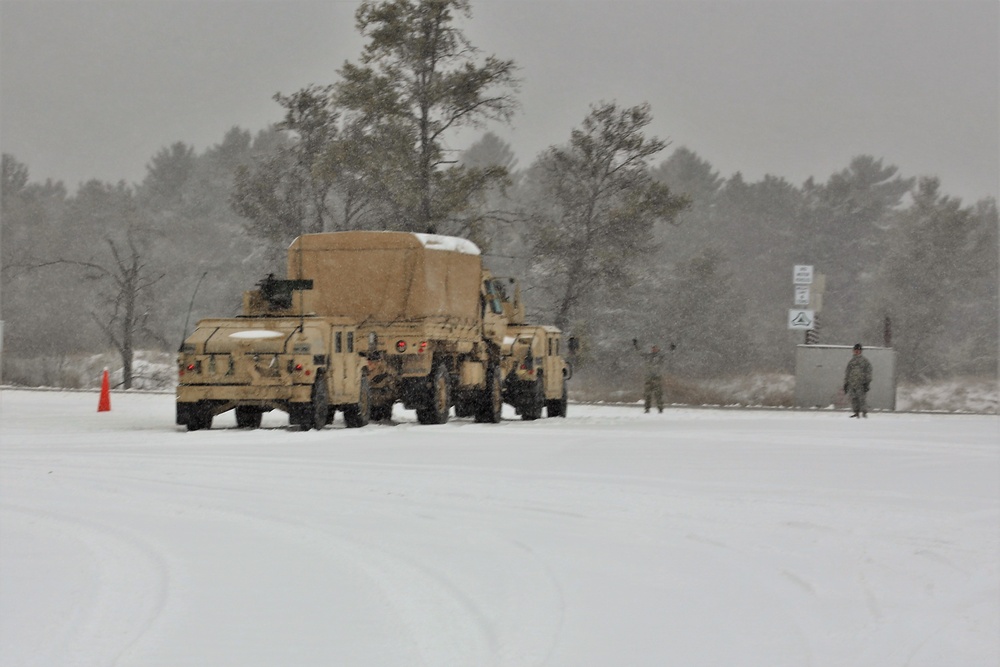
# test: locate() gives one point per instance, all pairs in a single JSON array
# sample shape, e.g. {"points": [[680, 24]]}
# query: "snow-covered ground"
{"points": [[693, 537]]}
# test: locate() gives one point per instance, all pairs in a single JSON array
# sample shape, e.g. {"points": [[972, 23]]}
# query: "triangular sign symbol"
{"points": [[802, 319]]}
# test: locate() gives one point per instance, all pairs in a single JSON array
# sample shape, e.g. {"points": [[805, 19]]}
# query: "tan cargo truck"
{"points": [[441, 330]]}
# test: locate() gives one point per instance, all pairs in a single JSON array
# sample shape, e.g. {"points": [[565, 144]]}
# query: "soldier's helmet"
{"points": [[857, 347]]}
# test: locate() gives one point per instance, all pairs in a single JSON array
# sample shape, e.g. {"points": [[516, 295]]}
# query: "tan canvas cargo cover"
{"points": [[388, 276]]}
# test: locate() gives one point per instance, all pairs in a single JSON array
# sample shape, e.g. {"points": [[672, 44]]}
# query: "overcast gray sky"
{"points": [[94, 88]]}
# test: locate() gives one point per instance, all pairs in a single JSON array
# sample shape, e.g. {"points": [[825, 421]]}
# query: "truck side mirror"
{"points": [[574, 344]]}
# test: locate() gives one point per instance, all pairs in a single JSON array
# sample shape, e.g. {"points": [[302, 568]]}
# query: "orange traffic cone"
{"points": [[104, 405]]}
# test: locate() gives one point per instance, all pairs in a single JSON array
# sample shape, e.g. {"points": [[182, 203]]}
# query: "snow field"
{"points": [[612, 537]]}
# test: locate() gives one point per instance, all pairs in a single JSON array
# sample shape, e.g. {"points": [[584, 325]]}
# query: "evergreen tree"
{"points": [[938, 286], [490, 151], [756, 225], [843, 234], [197, 239], [418, 82], [30, 216], [167, 174], [596, 206], [707, 313], [283, 194], [686, 173]]}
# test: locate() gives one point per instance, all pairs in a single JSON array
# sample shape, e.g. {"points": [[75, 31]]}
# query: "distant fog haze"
{"points": [[93, 89]]}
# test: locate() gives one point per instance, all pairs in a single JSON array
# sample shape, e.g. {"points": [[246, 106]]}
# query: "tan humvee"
{"points": [[535, 368], [307, 367], [538, 372]]}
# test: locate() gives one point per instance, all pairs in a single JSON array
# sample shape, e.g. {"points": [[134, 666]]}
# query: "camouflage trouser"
{"points": [[858, 402], [654, 390]]}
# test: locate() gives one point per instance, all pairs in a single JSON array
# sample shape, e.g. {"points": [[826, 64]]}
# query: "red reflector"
{"points": [[298, 367], [308, 372], [190, 367], [401, 346], [423, 347]]}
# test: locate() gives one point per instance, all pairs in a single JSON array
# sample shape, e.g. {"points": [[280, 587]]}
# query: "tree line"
{"points": [[614, 236]]}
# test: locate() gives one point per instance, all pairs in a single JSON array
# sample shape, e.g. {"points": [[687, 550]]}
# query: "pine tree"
{"points": [[597, 204], [418, 82]]}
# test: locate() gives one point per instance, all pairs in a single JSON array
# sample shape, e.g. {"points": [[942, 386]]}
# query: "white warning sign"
{"points": [[801, 319]]}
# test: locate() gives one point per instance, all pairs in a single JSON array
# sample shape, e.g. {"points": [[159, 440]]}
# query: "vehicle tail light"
{"points": [[401, 346]]}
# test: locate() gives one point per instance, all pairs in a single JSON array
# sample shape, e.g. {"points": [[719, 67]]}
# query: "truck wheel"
{"points": [[196, 416], [439, 400], [199, 422], [381, 413], [534, 401], [490, 406], [248, 416], [359, 414], [320, 405], [557, 407]]}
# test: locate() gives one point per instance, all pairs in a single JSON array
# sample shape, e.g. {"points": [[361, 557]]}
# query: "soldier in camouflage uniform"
{"points": [[857, 380], [653, 388]]}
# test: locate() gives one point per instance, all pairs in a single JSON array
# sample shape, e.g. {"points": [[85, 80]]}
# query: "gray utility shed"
{"points": [[819, 376]]}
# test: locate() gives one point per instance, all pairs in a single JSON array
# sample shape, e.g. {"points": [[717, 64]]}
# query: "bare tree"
{"points": [[122, 305]]}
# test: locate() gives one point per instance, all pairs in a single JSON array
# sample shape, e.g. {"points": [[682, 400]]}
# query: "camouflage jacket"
{"points": [[654, 362], [858, 375]]}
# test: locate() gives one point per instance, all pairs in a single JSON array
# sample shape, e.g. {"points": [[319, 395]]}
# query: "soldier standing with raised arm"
{"points": [[653, 386]]}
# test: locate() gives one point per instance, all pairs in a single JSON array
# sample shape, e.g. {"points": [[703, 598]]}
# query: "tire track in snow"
{"points": [[449, 620], [118, 609], [453, 614]]}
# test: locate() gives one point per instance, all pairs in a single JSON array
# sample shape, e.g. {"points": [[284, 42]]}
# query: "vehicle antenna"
{"points": [[302, 297], [187, 320]]}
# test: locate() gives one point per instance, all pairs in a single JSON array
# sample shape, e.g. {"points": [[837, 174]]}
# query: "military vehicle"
{"points": [[535, 368], [538, 372], [308, 367], [418, 320]]}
